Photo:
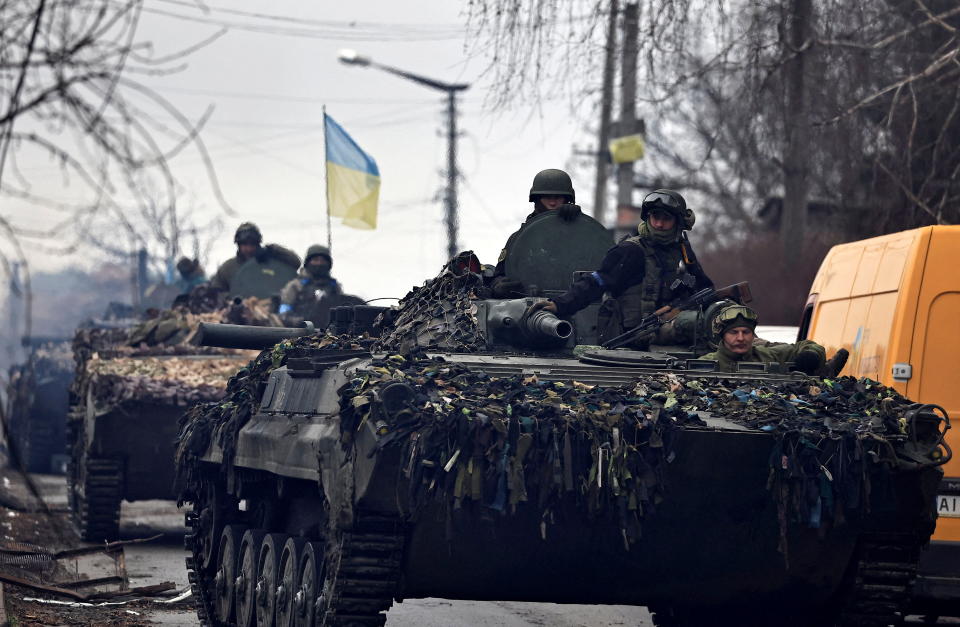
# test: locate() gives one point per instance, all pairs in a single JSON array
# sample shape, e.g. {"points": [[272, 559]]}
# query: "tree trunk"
{"points": [[793, 215]]}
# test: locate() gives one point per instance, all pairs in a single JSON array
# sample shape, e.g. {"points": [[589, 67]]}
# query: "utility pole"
{"points": [[793, 214], [606, 104], [142, 278], [628, 96], [350, 57]]}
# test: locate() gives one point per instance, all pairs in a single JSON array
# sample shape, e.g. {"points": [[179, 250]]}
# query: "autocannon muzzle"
{"points": [[544, 325], [510, 322]]}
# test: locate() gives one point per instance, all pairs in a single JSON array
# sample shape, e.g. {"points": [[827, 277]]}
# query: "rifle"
{"points": [[739, 292]]}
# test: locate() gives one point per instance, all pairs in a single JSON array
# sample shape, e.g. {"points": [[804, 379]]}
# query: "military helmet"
{"points": [[552, 183], [315, 250], [248, 233], [671, 202], [186, 265], [733, 316]]}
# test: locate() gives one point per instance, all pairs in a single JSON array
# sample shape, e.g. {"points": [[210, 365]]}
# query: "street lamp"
{"points": [[351, 57]]}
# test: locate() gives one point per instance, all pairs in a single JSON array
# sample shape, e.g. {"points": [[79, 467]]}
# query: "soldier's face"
{"points": [[738, 340], [552, 202], [318, 261], [247, 250], [661, 220]]}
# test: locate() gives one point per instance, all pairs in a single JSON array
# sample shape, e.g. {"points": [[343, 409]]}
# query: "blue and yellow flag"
{"points": [[353, 180]]}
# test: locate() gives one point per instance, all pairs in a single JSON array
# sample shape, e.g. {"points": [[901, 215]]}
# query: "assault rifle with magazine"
{"points": [[739, 292]]}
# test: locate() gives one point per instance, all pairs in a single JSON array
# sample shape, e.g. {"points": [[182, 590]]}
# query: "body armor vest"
{"points": [[659, 272]]}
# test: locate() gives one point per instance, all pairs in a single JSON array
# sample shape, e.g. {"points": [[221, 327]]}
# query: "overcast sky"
{"points": [[265, 136]]}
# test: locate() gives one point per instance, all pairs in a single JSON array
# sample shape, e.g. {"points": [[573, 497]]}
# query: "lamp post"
{"points": [[350, 57]]}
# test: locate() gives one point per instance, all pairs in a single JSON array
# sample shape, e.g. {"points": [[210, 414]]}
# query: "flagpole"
{"points": [[326, 181]]}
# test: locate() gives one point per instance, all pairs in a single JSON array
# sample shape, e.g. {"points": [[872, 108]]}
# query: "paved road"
{"points": [[163, 560]]}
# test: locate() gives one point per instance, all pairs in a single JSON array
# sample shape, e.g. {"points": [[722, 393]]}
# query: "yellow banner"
{"points": [[627, 149]]}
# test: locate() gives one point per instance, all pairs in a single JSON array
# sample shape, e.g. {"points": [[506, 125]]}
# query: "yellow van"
{"points": [[894, 303]]}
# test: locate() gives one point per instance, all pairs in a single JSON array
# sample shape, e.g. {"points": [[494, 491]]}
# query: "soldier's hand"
{"points": [[834, 365], [502, 287], [808, 362], [568, 211], [546, 305]]}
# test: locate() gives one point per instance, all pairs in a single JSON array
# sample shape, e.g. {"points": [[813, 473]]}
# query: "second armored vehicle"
{"points": [[131, 385]]}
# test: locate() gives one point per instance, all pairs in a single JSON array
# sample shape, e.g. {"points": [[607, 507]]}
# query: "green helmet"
{"points": [[671, 202], [733, 316], [248, 233], [552, 183], [315, 250]]}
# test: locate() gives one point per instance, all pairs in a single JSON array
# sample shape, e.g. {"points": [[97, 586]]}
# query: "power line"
{"points": [[324, 23], [351, 34], [290, 98]]}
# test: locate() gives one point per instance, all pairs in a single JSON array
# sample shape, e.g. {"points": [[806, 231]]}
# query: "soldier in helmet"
{"points": [[552, 190], [310, 295], [642, 272], [191, 274], [734, 332], [248, 240]]}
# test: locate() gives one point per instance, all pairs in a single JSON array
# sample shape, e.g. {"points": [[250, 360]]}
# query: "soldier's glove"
{"points": [[547, 305], [834, 365], [808, 362], [503, 287], [262, 255], [568, 211]]}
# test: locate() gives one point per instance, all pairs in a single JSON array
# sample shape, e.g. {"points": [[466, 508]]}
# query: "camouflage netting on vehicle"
{"points": [[440, 314], [152, 362], [497, 442], [486, 445], [180, 325], [203, 299], [489, 443], [112, 343], [162, 380]]}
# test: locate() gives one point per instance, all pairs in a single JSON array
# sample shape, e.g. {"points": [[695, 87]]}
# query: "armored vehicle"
{"points": [[465, 449], [131, 385], [38, 403]]}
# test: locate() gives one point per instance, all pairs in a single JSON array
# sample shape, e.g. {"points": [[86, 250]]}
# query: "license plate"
{"points": [[948, 505]]}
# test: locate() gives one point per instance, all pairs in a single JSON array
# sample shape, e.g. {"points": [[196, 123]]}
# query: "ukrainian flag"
{"points": [[353, 180]]}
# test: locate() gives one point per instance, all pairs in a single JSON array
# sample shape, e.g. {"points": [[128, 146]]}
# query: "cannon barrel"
{"points": [[242, 336], [546, 326]]}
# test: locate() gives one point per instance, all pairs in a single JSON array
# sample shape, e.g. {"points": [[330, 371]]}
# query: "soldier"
{"points": [[642, 273], [552, 190], [191, 274], [310, 295], [248, 240], [733, 333]]}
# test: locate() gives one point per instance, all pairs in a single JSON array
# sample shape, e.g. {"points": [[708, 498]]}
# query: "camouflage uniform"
{"points": [[782, 353], [226, 271], [640, 273], [736, 316], [311, 295], [301, 296]]}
